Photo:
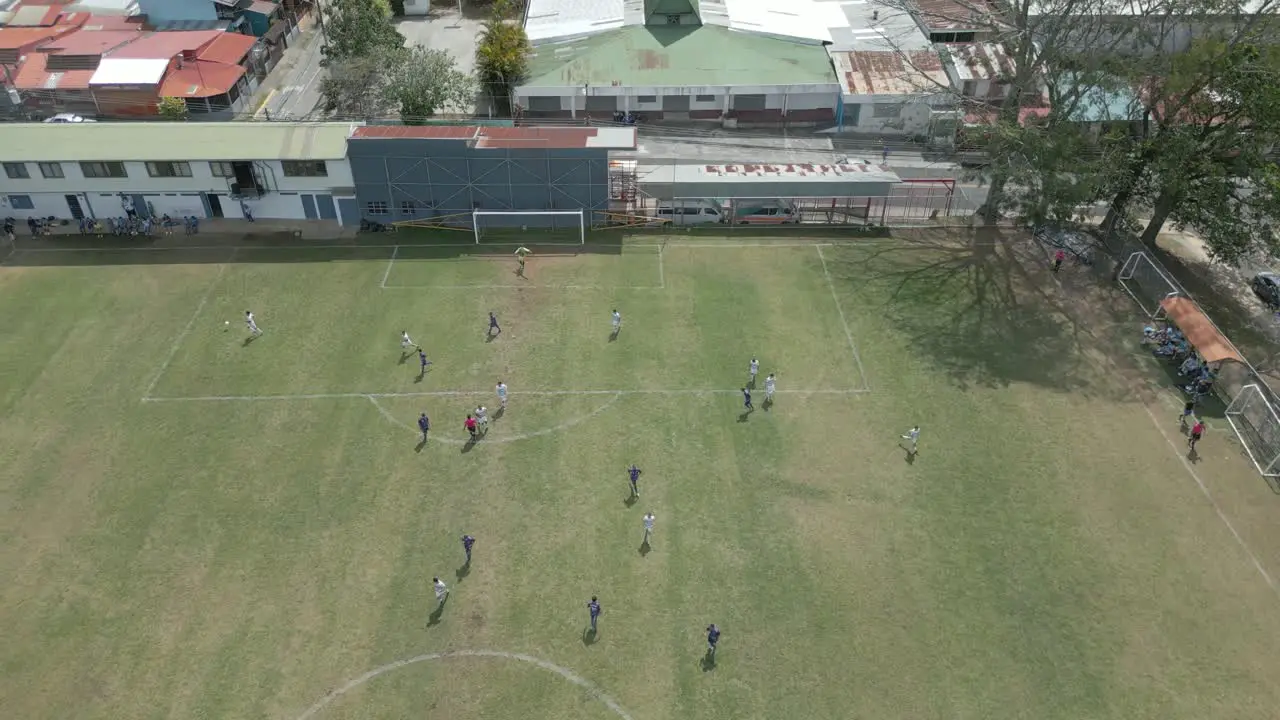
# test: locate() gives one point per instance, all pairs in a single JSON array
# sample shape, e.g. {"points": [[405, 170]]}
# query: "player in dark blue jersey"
{"points": [[422, 358], [713, 638], [633, 473], [593, 607], [493, 325], [746, 399], [424, 424], [467, 543]]}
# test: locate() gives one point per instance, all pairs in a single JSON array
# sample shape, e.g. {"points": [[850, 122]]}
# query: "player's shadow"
{"points": [[1193, 455], [744, 416], [613, 336], [463, 570], [589, 637], [470, 445], [434, 617], [645, 548], [708, 662], [630, 500], [499, 412], [421, 444], [249, 340], [489, 337], [405, 357], [910, 456], [752, 382], [768, 403]]}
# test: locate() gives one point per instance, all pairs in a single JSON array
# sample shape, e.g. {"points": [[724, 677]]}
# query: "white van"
{"points": [[768, 212], [690, 212]]}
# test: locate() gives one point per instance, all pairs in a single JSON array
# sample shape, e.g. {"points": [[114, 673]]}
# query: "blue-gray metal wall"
{"points": [[423, 179]]}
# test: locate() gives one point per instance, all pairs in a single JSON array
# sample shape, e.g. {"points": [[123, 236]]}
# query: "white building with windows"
{"points": [[210, 170]]}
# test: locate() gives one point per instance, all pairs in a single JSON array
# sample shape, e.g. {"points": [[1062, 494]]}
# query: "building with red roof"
{"points": [[125, 73]]}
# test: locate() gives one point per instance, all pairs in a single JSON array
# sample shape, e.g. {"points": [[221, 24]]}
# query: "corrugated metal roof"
{"points": [[200, 79], [166, 44], [678, 55], [228, 48], [161, 141], [957, 14], [129, 71], [430, 132], [887, 72], [510, 137], [91, 42], [979, 61]]}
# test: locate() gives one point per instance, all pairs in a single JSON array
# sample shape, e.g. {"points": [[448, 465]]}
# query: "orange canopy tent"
{"points": [[1212, 345]]}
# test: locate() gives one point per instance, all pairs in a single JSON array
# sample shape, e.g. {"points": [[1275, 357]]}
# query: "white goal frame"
{"points": [[1140, 264], [1254, 418], [579, 213]]}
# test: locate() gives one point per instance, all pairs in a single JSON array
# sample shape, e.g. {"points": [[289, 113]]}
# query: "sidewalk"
{"points": [[220, 231]]}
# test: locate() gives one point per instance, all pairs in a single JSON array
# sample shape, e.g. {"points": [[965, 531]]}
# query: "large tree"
{"points": [[358, 28], [357, 88], [502, 55], [426, 81]]}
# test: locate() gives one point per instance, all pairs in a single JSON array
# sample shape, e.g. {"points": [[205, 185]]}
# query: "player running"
{"points": [[769, 386], [633, 473], [502, 394], [422, 358], [251, 323], [754, 369], [593, 608], [482, 418], [493, 325], [713, 639], [913, 436], [467, 543], [470, 425], [648, 528], [520, 254], [442, 591], [617, 321], [746, 400], [405, 342], [424, 424]]}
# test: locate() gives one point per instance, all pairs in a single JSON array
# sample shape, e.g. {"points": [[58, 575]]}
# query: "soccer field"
{"points": [[198, 524]]}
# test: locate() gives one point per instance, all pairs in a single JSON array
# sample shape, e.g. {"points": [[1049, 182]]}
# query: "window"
{"points": [[307, 168], [103, 169], [169, 169], [647, 99], [749, 102], [887, 111], [544, 104], [970, 88], [21, 202], [51, 170], [704, 98], [407, 207], [17, 171], [222, 169], [377, 207]]}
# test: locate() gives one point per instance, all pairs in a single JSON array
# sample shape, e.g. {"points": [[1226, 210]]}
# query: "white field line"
{"points": [[563, 672], [390, 264], [522, 287], [493, 422], [182, 336], [479, 393], [1204, 489], [866, 383]]}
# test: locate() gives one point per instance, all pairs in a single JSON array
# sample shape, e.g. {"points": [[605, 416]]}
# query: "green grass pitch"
{"points": [[196, 525]]}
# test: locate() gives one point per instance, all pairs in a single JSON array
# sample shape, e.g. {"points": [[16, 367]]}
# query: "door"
{"points": [[309, 207], [73, 204], [140, 206], [215, 206], [324, 204], [350, 211]]}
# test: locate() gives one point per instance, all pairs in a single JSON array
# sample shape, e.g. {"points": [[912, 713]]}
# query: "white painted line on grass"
{"points": [[1204, 489], [866, 383], [390, 264], [522, 287], [493, 422], [474, 393], [563, 672], [182, 336]]}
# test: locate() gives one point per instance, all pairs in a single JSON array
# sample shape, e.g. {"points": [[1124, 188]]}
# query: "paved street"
{"points": [[297, 93]]}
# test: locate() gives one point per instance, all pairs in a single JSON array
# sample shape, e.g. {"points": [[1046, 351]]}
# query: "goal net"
{"points": [[520, 226], [1147, 284], [1253, 416]]}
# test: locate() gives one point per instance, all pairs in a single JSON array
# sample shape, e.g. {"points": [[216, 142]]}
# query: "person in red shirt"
{"points": [[470, 425], [1058, 257], [1197, 432]]}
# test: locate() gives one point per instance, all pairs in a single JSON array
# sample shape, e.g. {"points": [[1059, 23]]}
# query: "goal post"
{"points": [[1147, 283], [545, 227], [1254, 418]]}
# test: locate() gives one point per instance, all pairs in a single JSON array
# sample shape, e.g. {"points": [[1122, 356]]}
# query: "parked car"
{"points": [[67, 118], [1076, 242], [1266, 285]]}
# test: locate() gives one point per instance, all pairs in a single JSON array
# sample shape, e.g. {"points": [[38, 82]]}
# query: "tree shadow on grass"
{"points": [[973, 303]]}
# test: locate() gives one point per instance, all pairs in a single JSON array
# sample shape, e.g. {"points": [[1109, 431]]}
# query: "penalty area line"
{"points": [[475, 393], [182, 336], [844, 323]]}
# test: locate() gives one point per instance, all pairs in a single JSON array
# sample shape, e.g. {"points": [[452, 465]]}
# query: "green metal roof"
{"points": [[678, 55], [164, 141]]}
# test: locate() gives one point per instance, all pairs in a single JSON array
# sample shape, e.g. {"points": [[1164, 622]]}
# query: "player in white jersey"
{"points": [[482, 417], [648, 527], [442, 591], [913, 436], [251, 323], [754, 369], [405, 342], [502, 394], [769, 386], [617, 321]]}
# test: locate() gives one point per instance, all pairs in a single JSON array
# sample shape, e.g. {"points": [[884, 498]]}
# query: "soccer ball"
{"points": [[226, 323]]}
